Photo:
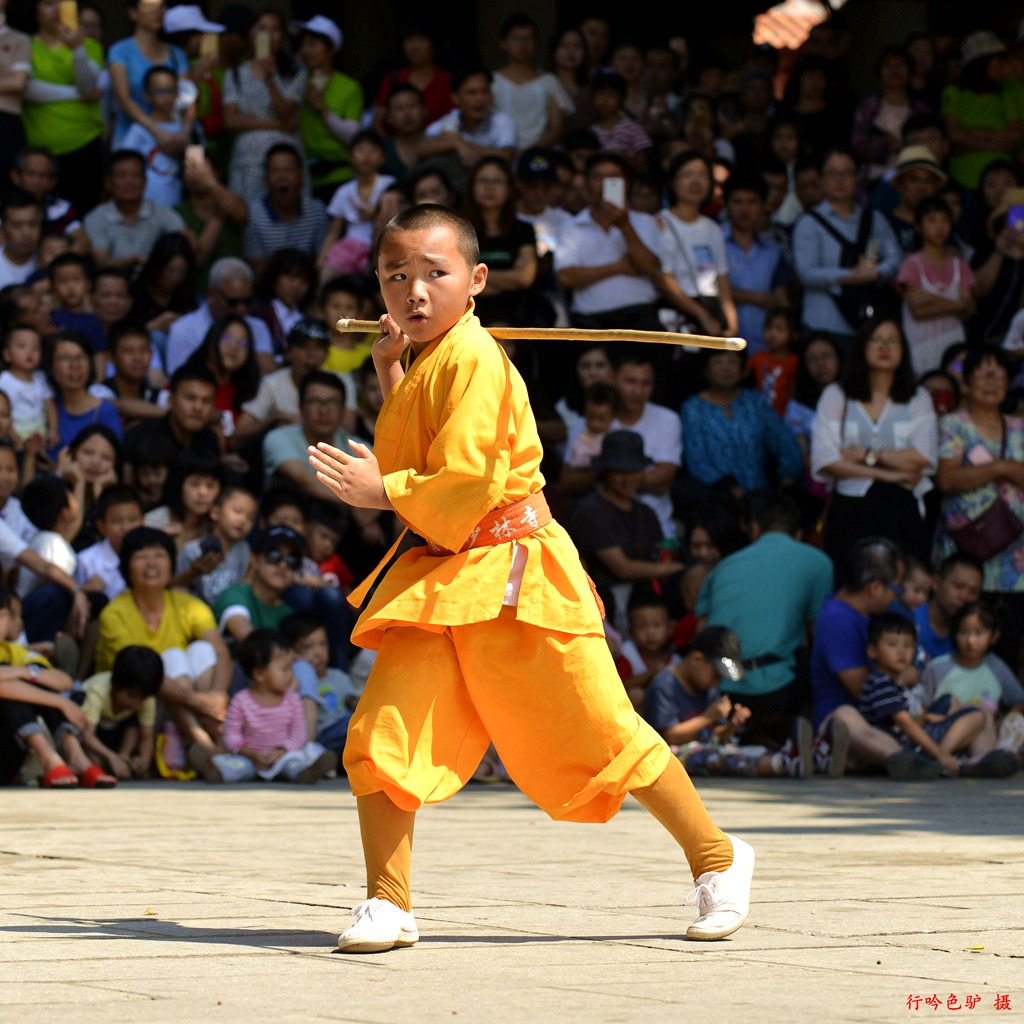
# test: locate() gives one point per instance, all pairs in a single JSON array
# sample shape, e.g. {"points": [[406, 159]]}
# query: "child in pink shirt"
{"points": [[936, 284], [265, 728]]}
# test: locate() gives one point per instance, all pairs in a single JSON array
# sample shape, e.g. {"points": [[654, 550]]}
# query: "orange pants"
{"points": [[552, 703]]}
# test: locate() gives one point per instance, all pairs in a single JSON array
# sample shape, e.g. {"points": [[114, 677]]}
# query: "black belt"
{"points": [[752, 664]]}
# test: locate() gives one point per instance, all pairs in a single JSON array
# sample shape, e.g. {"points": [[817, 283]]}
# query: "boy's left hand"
{"points": [[355, 480]]}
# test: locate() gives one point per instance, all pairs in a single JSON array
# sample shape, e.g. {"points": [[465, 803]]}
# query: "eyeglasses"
{"points": [[323, 403], [227, 339], [80, 360], [276, 556]]}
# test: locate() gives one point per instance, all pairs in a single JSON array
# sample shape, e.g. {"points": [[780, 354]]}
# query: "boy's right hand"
{"points": [[120, 767], [722, 708], [950, 763], [392, 341]]}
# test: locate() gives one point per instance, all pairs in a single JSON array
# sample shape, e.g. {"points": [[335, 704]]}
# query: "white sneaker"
{"points": [[723, 897], [379, 926]]}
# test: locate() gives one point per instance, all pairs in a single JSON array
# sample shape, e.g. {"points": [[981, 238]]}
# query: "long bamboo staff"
{"points": [[577, 334]]}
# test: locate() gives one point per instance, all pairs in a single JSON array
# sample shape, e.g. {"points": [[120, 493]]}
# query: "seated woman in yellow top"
{"points": [[178, 626]]}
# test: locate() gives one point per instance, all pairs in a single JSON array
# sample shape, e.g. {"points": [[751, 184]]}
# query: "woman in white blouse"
{"points": [[875, 442], [695, 270]]}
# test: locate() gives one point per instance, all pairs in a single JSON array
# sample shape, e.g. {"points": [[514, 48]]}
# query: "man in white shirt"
{"points": [[22, 222], [230, 291], [660, 428], [473, 130], [610, 257]]}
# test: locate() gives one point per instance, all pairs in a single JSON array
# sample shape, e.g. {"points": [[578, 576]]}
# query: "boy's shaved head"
{"points": [[427, 216]]}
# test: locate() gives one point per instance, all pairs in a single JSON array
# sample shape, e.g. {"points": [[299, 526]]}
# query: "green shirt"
{"points": [[241, 599], [68, 125], [990, 111], [327, 154]]}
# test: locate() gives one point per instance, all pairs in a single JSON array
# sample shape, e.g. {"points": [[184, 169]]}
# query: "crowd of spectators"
{"points": [[811, 552]]}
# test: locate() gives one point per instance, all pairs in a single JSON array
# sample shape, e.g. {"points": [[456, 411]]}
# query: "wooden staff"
{"points": [[576, 334]]}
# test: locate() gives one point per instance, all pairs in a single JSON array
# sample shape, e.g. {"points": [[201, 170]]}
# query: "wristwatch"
{"points": [[33, 672], [871, 457]]}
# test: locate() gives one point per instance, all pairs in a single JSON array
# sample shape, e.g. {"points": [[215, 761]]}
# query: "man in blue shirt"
{"points": [[958, 583], [758, 272], [769, 594], [840, 663]]}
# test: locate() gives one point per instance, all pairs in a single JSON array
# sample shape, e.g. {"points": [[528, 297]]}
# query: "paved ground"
{"points": [[183, 903]]}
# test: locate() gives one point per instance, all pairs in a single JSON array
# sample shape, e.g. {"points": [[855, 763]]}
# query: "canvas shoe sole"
{"points": [[910, 767], [723, 897], [804, 749], [837, 740], [378, 927]]}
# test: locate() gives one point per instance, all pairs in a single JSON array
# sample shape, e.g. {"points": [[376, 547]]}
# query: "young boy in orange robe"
{"points": [[495, 606]]}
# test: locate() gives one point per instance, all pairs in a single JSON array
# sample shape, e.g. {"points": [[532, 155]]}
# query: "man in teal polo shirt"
{"points": [[769, 593]]}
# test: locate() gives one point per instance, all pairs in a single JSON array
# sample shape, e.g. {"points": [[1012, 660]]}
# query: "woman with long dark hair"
{"points": [[227, 352], [166, 288], [875, 441], [508, 246]]}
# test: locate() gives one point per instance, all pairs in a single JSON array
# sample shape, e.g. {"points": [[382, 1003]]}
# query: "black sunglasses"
{"points": [[275, 556]]}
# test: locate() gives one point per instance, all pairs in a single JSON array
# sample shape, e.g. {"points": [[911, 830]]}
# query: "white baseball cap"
{"points": [[319, 26], [188, 18]]}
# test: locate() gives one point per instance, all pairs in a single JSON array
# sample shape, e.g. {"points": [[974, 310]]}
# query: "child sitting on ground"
{"points": [[330, 704], [648, 649], [684, 705], [209, 565], [599, 402], [975, 676], [121, 708], [775, 368], [33, 694], [892, 641], [265, 728], [355, 206]]}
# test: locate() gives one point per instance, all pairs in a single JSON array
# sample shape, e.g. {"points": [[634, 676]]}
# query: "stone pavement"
{"points": [[184, 903]]}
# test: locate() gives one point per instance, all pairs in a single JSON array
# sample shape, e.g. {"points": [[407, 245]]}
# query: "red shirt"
{"points": [[437, 95]]}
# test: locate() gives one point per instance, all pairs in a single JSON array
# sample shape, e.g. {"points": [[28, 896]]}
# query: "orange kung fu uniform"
{"points": [[457, 665]]}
